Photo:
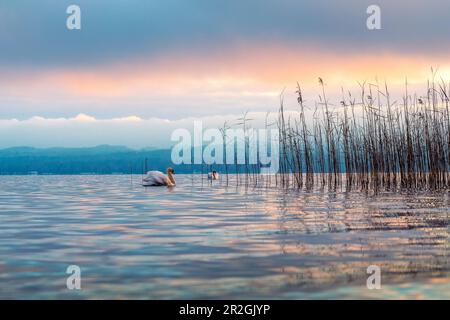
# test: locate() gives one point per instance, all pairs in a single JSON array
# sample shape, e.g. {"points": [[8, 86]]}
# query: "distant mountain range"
{"points": [[103, 159]]}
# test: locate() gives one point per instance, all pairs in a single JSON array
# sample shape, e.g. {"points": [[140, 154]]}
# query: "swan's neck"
{"points": [[171, 178]]}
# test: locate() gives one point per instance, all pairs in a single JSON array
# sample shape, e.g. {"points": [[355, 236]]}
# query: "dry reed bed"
{"points": [[368, 142]]}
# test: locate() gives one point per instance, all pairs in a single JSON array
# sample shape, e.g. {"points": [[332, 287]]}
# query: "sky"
{"points": [[160, 64]]}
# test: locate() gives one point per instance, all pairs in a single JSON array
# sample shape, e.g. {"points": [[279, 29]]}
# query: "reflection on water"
{"points": [[202, 241]]}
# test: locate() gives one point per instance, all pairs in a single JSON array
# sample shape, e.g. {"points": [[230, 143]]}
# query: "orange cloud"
{"points": [[247, 71]]}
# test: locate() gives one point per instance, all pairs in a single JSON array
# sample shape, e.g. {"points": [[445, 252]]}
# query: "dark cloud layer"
{"points": [[33, 33]]}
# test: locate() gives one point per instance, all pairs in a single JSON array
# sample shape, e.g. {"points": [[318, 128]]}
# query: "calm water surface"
{"points": [[201, 241]]}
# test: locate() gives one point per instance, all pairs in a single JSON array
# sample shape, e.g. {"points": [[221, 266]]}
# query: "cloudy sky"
{"points": [[156, 64]]}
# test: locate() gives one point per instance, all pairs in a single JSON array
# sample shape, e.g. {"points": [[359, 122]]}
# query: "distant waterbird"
{"points": [[213, 175]]}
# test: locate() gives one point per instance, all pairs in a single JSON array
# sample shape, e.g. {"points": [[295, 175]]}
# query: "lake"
{"points": [[202, 241]]}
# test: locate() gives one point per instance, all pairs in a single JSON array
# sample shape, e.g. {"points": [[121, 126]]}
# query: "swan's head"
{"points": [[170, 170]]}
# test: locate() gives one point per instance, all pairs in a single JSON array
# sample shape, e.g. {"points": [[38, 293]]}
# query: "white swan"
{"points": [[157, 178], [213, 175]]}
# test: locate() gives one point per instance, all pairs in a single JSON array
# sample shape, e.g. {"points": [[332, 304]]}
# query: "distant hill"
{"points": [[103, 159], [29, 151]]}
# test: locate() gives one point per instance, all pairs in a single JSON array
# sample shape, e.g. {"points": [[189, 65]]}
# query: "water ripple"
{"points": [[211, 241]]}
